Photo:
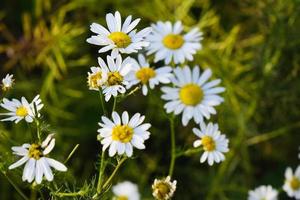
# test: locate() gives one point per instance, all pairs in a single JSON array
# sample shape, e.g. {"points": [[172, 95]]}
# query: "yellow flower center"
{"points": [[121, 198], [163, 189], [144, 74], [208, 143], [295, 183], [21, 111], [191, 94], [122, 40], [114, 78], [122, 133], [35, 151], [93, 80], [173, 41]]}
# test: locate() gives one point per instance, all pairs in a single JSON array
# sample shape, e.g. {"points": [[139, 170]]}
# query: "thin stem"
{"points": [[114, 172], [114, 105], [173, 146], [189, 152], [38, 130], [72, 152], [16, 187], [69, 194], [102, 102], [101, 172]]}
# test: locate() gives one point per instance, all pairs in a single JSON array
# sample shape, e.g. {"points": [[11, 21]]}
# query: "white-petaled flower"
{"points": [[126, 191], [213, 142], [7, 82], [19, 110], [292, 182], [263, 193], [37, 164], [169, 44], [117, 74], [120, 38], [192, 95], [144, 74], [163, 189], [97, 78], [121, 134]]}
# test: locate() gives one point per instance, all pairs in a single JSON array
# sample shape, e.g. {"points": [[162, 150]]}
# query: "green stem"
{"points": [[72, 152], [114, 105], [173, 147], [189, 152], [38, 130], [69, 194], [114, 172], [101, 172], [16, 187], [102, 102]]}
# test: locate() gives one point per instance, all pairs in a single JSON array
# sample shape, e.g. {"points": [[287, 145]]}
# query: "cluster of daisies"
{"points": [[35, 155], [187, 90]]}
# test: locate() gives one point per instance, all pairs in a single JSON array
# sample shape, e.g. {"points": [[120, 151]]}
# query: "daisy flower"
{"points": [[126, 191], [122, 134], [169, 44], [213, 142], [163, 189], [192, 95], [19, 110], [97, 78], [37, 164], [263, 193], [7, 82], [120, 38], [117, 71], [144, 74], [292, 182]]}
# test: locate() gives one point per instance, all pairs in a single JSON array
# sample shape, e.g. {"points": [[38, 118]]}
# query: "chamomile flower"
{"points": [[263, 193], [126, 191], [122, 134], [213, 142], [117, 71], [120, 38], [169, 44], [97, 78], [292, 182], [144, 74], [192, 95], [7, 82], [37, 164], [19, 110], [163, 189]]}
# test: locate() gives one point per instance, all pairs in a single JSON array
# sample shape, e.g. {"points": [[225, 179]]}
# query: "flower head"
{"points": [[120, 38], [169, 44], [192, 95], [121, 134], [126, 191], [97, 78], [144, 74], [19, 110], [213, 142], [292, 182], [7, 82], [163, 189], [37, 164], [263, 193]]}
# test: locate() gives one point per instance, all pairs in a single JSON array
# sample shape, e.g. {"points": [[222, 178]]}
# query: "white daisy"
{"points": [[192, 95], [122, 134], [292, 182], [117, 71], [263, 193], [169, 44], [213, 142], [126, 191], [37, 164], [144, 74], [163, 189], [7, 82], [19, 110], [119, 38], [97, 78]]}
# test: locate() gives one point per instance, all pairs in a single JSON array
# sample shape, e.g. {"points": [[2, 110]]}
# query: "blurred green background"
{"points": [[253, 46]]}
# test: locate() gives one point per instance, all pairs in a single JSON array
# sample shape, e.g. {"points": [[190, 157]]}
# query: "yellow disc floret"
{"points": [[208, 143], [122, 40], [93, 79], [21, 111], [122, 133], [173, 41], [35, 151], [114, 78], [144, 74], [121, 198], [191, 94], [295, 183]]}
